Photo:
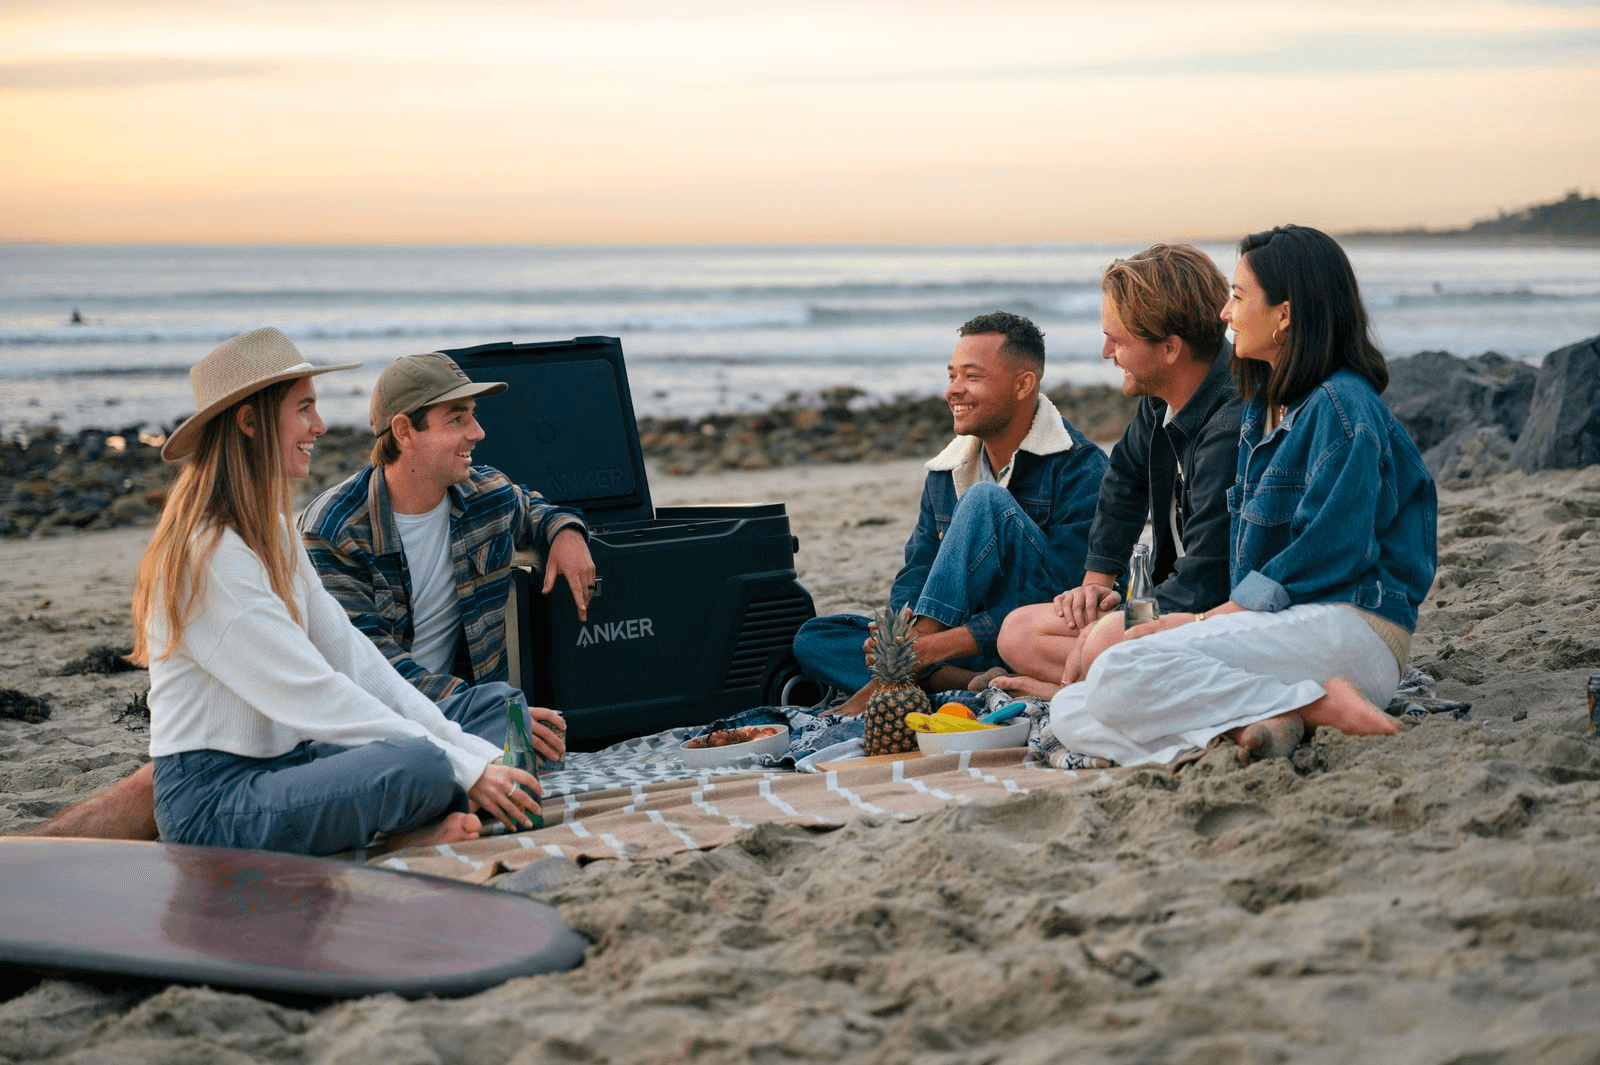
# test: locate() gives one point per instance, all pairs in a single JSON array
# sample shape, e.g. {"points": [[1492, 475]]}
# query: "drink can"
{"points": [[556, 765]]}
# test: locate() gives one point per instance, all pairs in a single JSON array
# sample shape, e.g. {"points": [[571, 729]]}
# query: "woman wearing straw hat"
{"points": [[274, 723]]}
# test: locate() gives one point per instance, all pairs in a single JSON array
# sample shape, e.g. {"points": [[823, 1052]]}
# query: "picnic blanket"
{"points": [[636, 800], [649, 820]]}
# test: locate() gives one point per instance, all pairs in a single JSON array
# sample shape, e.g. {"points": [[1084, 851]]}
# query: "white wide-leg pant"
{"points": [[1148, 700]]}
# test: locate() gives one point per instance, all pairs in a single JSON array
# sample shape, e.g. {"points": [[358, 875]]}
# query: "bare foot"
{"points": [[455, 828], [1346, 709], [1026, 686], [982, 680], [857, 702], [1276, 737]]}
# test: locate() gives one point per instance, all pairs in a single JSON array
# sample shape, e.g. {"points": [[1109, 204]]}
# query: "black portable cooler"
{"points": [[697, 607]]}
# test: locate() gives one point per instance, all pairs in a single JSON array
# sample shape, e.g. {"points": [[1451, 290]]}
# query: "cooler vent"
{"points": [[768, 629]]}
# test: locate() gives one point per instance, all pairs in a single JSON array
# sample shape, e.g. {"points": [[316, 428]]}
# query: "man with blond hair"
{"points": [[1161, 315]]}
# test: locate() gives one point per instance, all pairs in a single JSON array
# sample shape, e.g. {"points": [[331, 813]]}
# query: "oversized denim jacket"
{"points": [[1333, 506], [1055, 478]]}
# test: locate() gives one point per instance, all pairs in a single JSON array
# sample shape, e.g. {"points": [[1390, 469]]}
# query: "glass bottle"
{"points": [[1141, 602], [519, 750]]}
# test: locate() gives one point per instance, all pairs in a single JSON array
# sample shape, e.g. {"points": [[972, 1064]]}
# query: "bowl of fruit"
{"points": [[954, 727], [726, 746]]}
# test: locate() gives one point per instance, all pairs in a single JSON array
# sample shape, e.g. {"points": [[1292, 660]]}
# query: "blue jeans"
{"points": [[481, 710], [990, 547], [316, 799]]}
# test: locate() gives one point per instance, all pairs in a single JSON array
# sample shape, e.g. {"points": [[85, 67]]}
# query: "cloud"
{"points": [[1308, 54], [1371, 53], [122, 72]]}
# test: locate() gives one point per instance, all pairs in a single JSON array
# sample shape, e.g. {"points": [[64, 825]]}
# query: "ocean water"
{"points": [[703, 328]]}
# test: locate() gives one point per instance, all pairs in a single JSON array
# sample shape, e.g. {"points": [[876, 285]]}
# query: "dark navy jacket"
{"points": [[1204, 438]]}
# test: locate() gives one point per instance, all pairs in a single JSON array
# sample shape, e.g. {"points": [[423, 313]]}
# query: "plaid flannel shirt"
{"points": [[351, 535]]}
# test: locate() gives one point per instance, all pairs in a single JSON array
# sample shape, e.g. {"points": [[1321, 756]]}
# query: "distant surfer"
{"points": [[76, 319]]}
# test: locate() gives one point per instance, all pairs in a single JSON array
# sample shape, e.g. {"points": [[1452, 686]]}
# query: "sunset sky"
{"points": [[639, 121]]}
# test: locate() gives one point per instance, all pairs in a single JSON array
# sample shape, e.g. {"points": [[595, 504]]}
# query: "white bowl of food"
{"points": [[1013, 733], [734, 745]]}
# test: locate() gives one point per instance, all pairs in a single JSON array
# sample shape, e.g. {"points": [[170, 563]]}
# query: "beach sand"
{"points": [[1429, 897]]}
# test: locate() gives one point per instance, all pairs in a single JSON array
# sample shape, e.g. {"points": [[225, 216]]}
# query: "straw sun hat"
{"points": [[233, 370]]}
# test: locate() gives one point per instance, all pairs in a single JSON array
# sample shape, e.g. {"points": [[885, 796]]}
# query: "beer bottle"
{"points": [[1141, 603], [519, 750]]}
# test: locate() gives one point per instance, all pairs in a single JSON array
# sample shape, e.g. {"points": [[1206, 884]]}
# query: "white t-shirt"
{"points": [[435, 612], [1177, 494]]}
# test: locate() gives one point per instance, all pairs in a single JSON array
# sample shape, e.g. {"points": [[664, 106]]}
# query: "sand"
{"points": [[1428, 897]]}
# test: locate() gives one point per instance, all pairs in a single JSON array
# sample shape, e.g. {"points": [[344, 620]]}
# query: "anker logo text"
{"points": [[590, 482], [606, 631]]}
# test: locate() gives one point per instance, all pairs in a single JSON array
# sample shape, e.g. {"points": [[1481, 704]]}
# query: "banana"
{"points": [[943, 723]]}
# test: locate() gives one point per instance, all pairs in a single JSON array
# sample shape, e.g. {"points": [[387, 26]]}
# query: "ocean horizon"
{"points": [[704, 328]]}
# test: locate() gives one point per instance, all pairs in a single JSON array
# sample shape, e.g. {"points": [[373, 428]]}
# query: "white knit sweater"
{"points": [[247, 679]]}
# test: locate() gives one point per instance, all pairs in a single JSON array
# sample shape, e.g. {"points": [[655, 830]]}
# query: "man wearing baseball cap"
{"points": [[417, 546]]}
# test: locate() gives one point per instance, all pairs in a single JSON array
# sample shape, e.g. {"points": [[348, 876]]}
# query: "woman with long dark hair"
{"points": [[274, 723], [1332, 524]]}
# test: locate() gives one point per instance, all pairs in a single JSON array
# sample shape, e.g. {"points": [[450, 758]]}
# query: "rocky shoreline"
{"points": [[1473, 418], [52, 483]]}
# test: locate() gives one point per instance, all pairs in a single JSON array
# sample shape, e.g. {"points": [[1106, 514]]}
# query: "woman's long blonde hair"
{"points": [[234, 480]]}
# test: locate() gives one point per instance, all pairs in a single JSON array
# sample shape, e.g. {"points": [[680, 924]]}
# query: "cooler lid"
{"points": [[565, 427]]}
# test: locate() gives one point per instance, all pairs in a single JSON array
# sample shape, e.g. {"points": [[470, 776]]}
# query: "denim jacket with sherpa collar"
{"points": [[1055, 478], [1333, 506]]}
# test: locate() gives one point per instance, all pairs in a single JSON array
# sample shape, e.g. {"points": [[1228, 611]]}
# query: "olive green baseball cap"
{"points": [[415, 381]]}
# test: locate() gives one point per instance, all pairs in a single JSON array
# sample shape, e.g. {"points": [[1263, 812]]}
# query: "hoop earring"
{"points": [[1275, 339]]}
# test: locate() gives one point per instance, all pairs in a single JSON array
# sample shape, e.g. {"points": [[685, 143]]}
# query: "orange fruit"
{"points": [[957, 710]]}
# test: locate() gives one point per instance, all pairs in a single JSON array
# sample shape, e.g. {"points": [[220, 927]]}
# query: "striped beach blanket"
{"points": [[650, 819]]}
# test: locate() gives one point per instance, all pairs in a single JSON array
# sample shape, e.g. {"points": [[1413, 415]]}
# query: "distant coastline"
{"points": [[1573, 219]]}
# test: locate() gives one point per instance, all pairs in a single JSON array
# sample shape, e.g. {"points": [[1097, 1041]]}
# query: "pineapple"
{"points": [[894, 667]]}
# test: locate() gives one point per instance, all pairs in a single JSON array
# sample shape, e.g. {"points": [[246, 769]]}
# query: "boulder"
{"points": [[131, 509], [1563, 424], [1473, 455], [1435, 394]]}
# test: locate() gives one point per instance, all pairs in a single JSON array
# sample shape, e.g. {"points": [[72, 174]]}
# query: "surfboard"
{"points": [[256, 921]]}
